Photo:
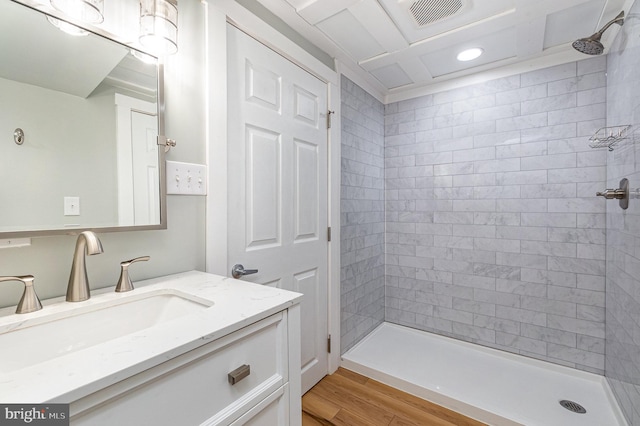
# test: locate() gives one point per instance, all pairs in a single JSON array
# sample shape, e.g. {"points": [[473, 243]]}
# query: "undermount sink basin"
{"points": [[86, 326]]}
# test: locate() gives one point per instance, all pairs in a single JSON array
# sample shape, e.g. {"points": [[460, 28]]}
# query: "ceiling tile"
{"points": [[319, 10], [570, 24], [349, 34], [392, 76], [471, 11]]}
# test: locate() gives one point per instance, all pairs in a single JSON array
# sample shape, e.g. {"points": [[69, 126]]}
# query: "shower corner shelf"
{"points": [[608, 137]]}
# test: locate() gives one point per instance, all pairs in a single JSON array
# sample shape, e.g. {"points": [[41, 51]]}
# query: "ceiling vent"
{"points": [[426, 12]]}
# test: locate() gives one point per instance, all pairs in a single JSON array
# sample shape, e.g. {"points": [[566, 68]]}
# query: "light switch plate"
{"points": [[186, 178], [72, 206]]}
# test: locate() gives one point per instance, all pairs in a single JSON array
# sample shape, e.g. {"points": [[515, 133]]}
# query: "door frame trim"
{"points": [[228, 11]]}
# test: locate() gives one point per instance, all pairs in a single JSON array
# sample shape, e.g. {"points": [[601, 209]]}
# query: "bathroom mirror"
{"points": [[79, 119]]}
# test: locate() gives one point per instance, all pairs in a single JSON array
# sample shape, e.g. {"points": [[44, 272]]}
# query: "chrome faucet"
{"points": [[29, 301], [78, 288]]}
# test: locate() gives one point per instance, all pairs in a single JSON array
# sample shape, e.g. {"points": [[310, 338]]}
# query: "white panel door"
{"points": [[277, 183], [144, 131]]}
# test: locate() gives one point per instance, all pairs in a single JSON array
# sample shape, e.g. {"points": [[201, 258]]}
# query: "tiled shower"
{"points": [[492, 230]]}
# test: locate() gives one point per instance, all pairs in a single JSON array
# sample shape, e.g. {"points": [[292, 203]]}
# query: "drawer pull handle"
{"points": [[239, 373]]}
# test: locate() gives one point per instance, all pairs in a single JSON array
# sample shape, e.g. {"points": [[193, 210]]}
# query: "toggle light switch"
{"points": [[186, 178], [72, 206]]}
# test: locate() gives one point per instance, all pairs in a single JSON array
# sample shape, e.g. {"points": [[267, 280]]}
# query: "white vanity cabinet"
{"points": [[195, 388]]}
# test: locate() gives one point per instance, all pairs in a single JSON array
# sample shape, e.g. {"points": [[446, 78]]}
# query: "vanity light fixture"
{"points": [[469, 54], [159, 26], [66, 27], [89, 11]]}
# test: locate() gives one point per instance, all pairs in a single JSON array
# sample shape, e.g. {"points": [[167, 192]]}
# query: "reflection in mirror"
{"points": [[89, 111]]}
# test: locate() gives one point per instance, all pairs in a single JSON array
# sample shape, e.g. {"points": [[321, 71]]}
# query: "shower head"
{"points": [[592, 45]]}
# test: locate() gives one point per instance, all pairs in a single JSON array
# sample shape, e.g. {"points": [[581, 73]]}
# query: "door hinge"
{"points": [[329, 118], [329, 234], [329, 344]]}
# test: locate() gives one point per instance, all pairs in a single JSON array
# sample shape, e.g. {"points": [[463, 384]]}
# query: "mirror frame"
{"points": [[38, 7]]}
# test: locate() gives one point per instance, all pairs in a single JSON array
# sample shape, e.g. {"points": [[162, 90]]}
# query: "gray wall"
{"points": [[494, 235], [623, 226], [362, 213], [70, 150], [179, 248]]}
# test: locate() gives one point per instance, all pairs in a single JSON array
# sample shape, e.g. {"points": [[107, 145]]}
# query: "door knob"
{"points": [[238, 270], [621, 194]]}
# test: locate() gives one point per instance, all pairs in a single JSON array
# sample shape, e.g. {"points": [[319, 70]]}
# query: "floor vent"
{"points": [[573, 406], [429, 11]]}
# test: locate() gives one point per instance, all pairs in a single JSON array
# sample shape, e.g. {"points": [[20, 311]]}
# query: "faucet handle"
{"points": [[124, 283], [29, 301]]}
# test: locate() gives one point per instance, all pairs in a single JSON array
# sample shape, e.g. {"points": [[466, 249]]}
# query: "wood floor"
{"points": [[350, 399]]}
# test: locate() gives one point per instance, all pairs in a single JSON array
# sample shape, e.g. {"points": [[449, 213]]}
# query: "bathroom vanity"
{"points": [[186, 349]]}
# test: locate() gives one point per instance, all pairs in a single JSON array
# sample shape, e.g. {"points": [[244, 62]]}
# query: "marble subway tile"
{"points": [[546, 75], [523, 316], [549, 335], [521, 343], [549, 248], [575, 205], [522, 233], [550, 307], [551, 190], [474, 205], [482, 179], [498, 324], [573, 115], [522, 122], [472, 104], [549, 219], [549, 133], [522, 150], [521, 287], [496, 112], [474, 154], [522, 205], [546, 162], [550, 103], [589, 328], [453, 242], [453, 217], [522, 178], [496, 139], [518, 95], [579, 266], [501, 219], [495, 192], [473, 333], [497, 245], [474, 281], [592, 65]]}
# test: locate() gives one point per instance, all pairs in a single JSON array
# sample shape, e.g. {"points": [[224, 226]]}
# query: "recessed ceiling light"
{"points": [[470, 54]]}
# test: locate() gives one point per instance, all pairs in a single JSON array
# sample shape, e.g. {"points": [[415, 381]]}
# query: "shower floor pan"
{"points": [[492, 386]]}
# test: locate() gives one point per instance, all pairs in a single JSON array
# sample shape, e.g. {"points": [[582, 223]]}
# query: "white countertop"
{"points": [[72, 376]]}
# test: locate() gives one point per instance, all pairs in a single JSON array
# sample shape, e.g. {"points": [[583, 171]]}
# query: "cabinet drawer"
{"points": [[272, 411], [195, 387]]}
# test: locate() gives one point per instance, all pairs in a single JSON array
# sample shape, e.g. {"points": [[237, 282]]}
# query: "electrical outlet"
{"points": [[186, 178]]}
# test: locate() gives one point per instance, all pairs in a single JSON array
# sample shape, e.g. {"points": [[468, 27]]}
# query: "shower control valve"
{"points": [[621, 194], [611, 194]]}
